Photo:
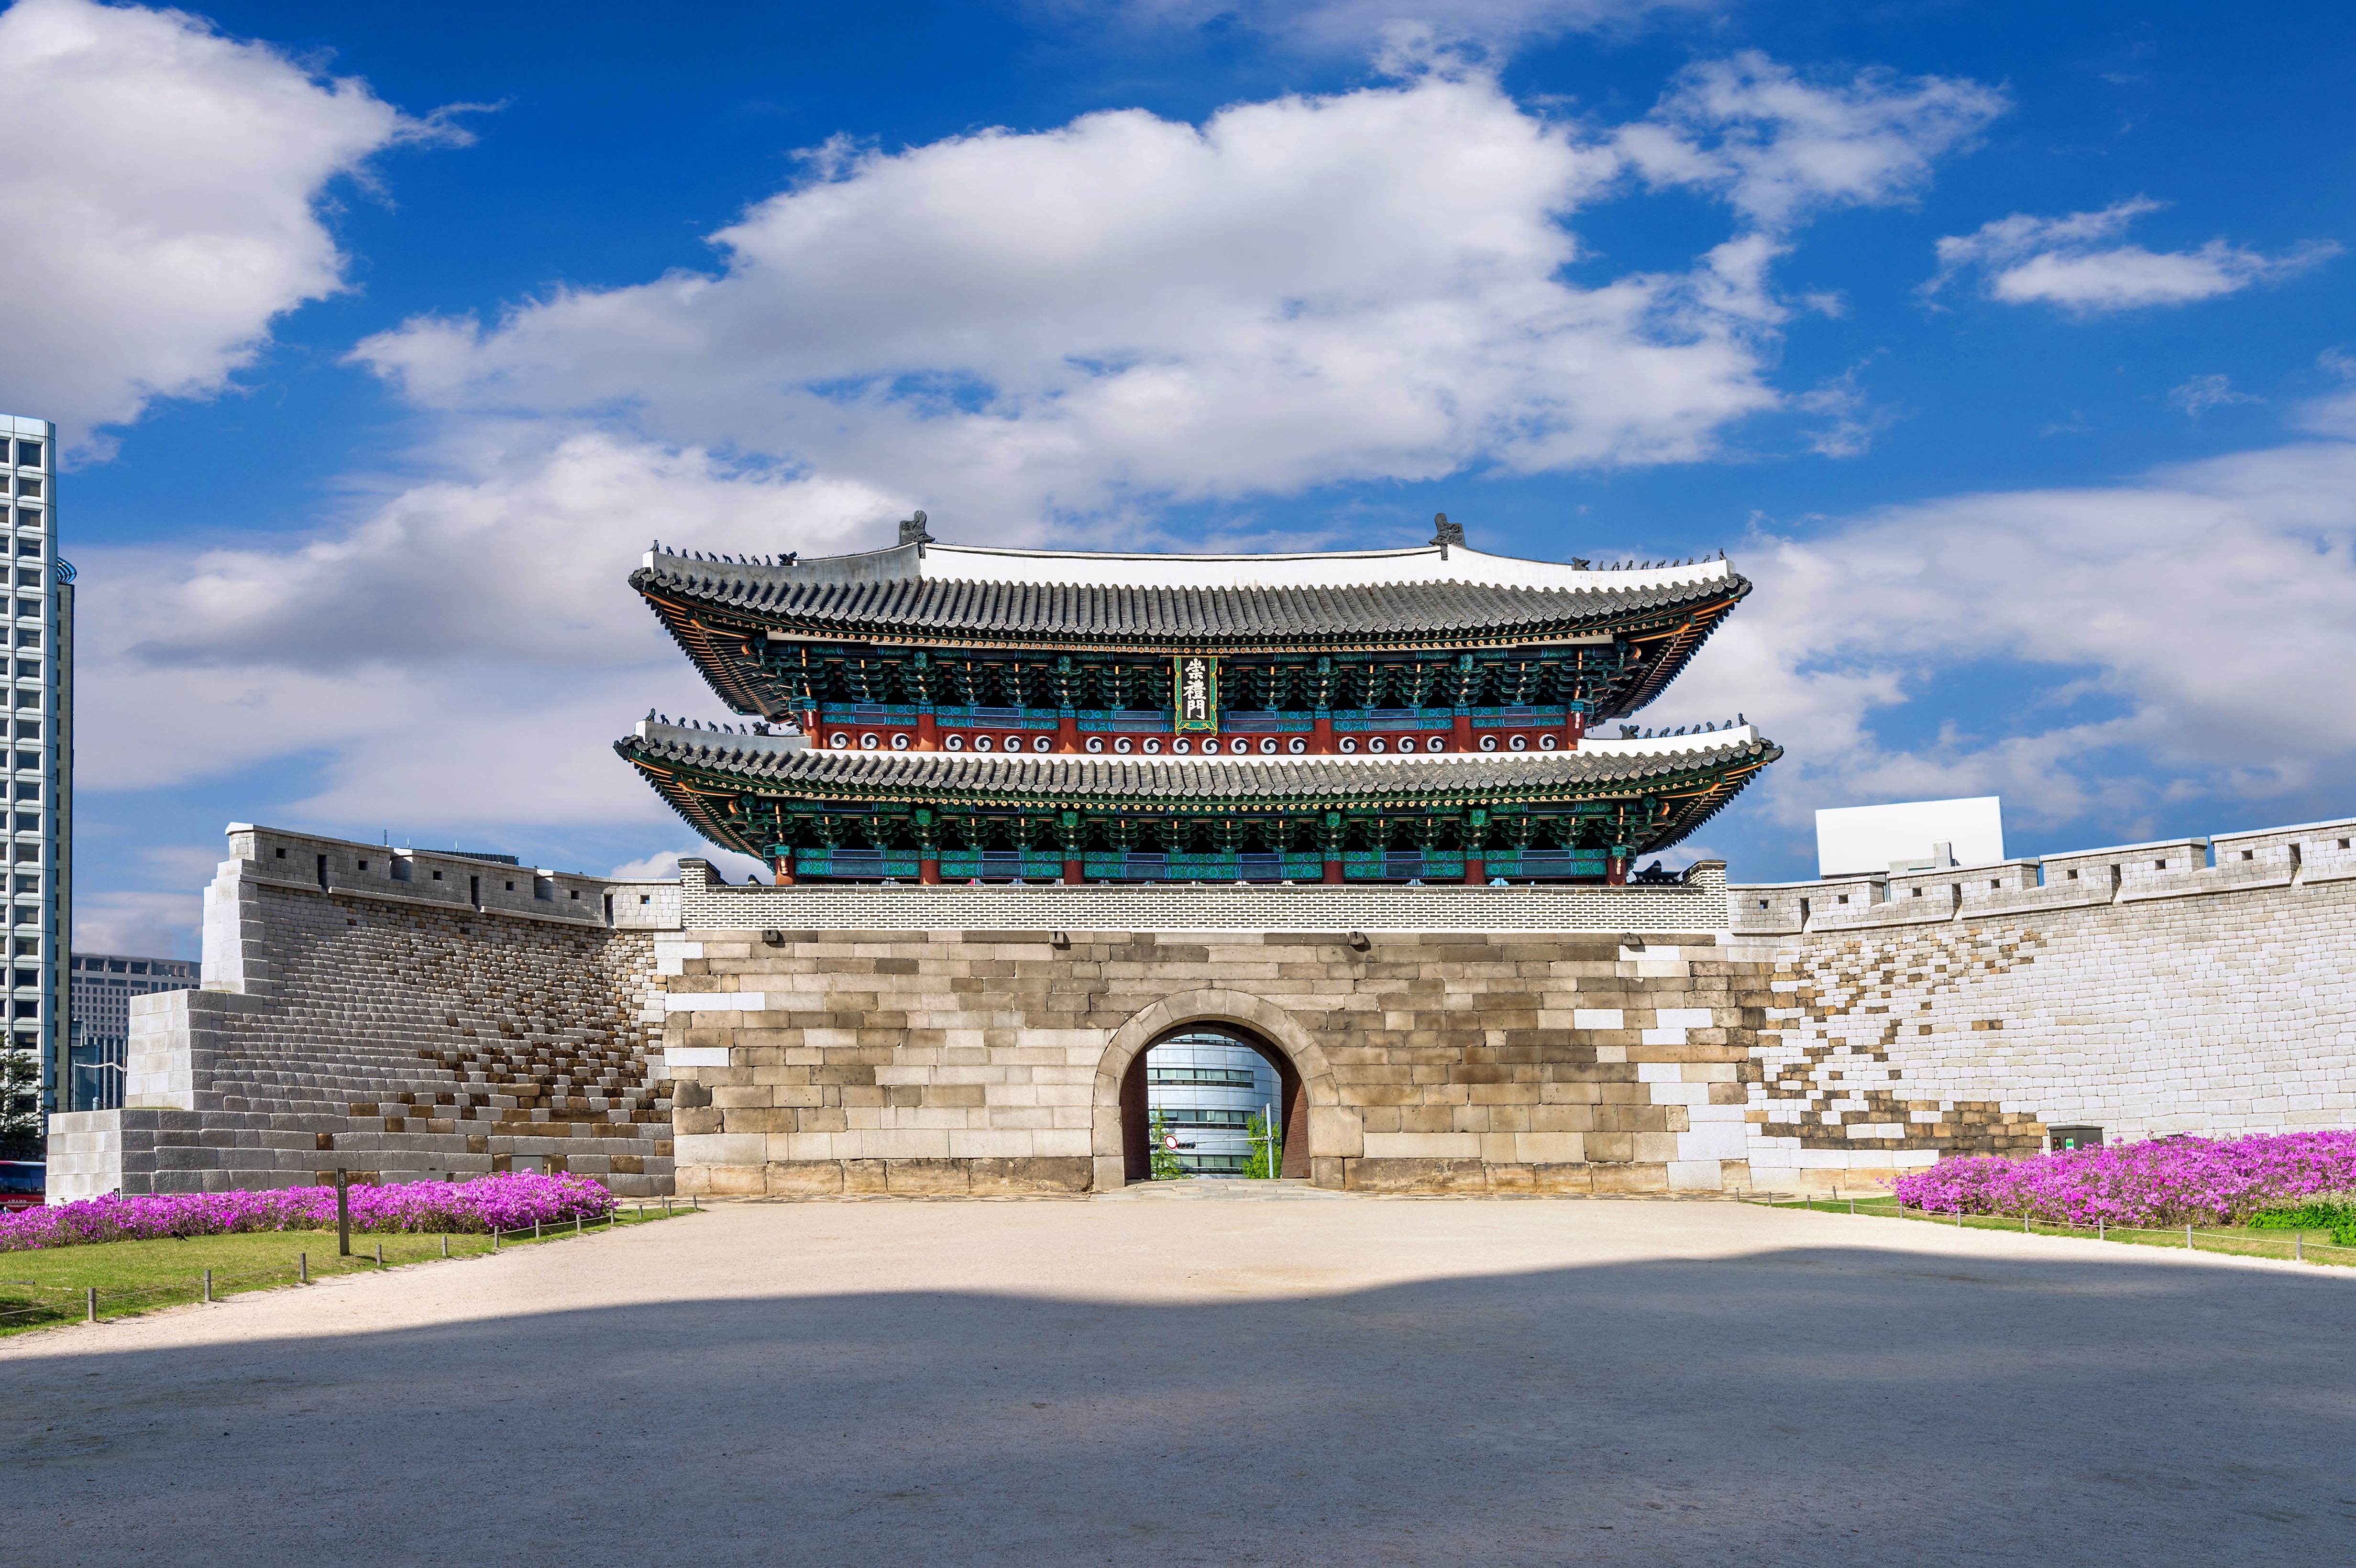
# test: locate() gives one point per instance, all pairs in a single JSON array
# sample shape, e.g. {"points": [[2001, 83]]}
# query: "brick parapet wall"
{"points": [[1698, 903]]}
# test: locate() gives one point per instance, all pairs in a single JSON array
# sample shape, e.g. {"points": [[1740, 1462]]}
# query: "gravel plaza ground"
{"points": [[1222, 1373]]}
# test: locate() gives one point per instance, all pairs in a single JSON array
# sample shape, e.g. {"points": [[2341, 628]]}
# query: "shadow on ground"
{"points": [[1801, 1406]]}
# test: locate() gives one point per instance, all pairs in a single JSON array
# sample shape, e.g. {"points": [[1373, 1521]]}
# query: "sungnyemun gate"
{"points": [[1378, 815]]}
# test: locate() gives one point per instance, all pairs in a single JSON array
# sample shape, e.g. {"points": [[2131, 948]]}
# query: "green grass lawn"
{"points": [[2311, 1246], [49, 1285]]}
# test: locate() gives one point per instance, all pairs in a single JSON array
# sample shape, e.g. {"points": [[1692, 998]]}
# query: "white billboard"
{"points": [[1854, 838]]}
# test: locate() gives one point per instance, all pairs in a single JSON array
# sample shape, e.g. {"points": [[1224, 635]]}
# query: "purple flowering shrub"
{"points": [[509, 1202], [2167, 1181]]}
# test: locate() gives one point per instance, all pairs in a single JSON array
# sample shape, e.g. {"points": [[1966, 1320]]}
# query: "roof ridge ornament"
{"points": [[1445, 533], [913, 531]]}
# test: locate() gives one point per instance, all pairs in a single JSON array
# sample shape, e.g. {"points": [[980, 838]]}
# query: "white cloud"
{"points": [[160, 197], [2172, 606], [523, 563], [2204, 393], [663, 866], [1855, 418], [2334, 414], [453, 657], [1358, 26], [2063, 261], [1069, 324], [160, 921], [1777, 146], [158, 924]]}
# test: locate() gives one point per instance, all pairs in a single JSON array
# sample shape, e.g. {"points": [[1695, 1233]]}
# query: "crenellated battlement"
{"points": [[2315, 853]]}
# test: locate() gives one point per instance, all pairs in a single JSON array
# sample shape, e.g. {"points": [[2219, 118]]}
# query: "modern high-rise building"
{"points": [[40, 777], [100, 1009]]}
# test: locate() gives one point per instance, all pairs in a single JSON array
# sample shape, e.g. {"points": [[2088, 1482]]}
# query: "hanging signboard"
{"points": [[1196, 684]]}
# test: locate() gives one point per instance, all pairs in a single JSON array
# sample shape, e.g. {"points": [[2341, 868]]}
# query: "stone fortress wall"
{"points": [[2138, 989], [808, 1040], [810, 1062], [405, 1014]]}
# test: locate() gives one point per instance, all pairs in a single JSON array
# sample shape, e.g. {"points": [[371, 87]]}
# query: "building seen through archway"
{"points": [[1205, 1087]]}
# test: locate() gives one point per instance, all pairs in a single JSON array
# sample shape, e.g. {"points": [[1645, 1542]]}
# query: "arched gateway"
{"points": [[1007, 797], [1305, 1079]]}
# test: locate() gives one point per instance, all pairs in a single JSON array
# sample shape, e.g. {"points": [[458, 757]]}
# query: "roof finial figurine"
{"points": [[1445, 533], [912, 530]]}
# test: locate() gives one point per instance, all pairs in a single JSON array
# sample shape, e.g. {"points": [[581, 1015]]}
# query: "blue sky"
{"points": [[2009, 348]]}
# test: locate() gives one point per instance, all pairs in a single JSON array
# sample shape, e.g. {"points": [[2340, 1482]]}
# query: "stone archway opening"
{"points": [[1188, 1071]]}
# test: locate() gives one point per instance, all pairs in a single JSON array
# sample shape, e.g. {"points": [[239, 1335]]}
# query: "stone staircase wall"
{"points": [[345, 1022]]}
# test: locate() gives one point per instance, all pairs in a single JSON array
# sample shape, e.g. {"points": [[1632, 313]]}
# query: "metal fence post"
{"points": [[2188, 1238], [2298, 1246], [495, 1238], [535, 1229], [209, 1286], [93, 1304], [445, 1243], [343, 1214], [379, 1254], [576, 1221], [303, 1268]]}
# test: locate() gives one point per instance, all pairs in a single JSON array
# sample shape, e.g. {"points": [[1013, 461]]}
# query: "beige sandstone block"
{"points": [[803, 1179], [1418, 1146], [1335, 1131]]}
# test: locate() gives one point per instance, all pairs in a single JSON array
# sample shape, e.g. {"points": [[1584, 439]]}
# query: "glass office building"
{"points": [[103, 985], [1205, 1086]]}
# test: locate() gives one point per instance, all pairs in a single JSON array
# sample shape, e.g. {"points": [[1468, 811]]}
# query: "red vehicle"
{"points": [[24, 1183]]}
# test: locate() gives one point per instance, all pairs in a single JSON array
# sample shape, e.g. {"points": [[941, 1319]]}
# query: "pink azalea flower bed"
{"points": [[2168, 1181], [509, 1201]]}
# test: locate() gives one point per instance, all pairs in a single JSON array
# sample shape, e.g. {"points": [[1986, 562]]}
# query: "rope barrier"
{"points": [[2234, 1244], [208, 1285]]}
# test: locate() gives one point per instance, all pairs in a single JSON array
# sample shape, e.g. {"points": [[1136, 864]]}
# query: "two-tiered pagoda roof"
{"points": [[945, 710]]}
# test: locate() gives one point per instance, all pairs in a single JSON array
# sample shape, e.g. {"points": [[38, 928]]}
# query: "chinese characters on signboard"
{"points": [[1197, 682]]}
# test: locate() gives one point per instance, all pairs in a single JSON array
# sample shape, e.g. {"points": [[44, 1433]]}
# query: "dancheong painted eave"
{"points": [[700, 773]]}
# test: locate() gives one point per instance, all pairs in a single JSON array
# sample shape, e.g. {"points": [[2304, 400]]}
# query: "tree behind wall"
{"points": [[1268, 1153], [1166, 1164], [20, 1105]]}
